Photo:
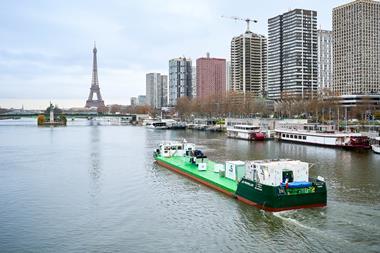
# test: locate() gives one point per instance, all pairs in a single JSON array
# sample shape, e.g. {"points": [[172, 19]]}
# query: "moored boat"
{"points": [[157, 125], [246, 132], [272, 185], [174, 125], [376, 146], [325, 138]]}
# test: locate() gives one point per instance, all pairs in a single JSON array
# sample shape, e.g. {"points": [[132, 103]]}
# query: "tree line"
{"points": [[321, 107]]}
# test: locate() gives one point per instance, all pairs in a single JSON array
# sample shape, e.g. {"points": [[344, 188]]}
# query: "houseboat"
{"points": [[246, 132], [324, 138], [271, 185]]}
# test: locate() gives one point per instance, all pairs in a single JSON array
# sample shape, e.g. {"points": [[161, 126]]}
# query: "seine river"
{"points": [[88, 188]]}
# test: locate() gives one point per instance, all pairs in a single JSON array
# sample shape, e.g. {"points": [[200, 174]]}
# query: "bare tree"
{"points": [[183, 107]]}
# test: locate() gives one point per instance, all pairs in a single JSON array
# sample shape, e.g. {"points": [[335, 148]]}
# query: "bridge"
{"points": [[133, 117]]}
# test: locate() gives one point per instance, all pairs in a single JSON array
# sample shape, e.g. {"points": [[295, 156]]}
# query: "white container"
{"points": [[202, 166], [218, 167], [231, 169]]}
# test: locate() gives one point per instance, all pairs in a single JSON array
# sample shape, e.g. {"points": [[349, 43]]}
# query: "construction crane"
{"points": [[247, 20]]}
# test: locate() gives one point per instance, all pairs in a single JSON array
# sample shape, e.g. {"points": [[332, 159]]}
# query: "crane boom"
{"points": [[247, 20]]}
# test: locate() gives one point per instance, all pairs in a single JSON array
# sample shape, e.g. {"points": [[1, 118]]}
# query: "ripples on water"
{"points": [[96, 188]]}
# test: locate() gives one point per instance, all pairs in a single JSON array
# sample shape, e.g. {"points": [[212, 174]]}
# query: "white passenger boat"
{"points": [[376, 145], [157, 125], [332, 139], [246, 132]]}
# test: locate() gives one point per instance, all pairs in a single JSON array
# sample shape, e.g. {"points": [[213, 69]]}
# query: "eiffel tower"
{"points": [[95, 89]]}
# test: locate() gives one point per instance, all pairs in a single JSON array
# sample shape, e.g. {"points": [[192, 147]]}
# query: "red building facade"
{"points": [[211, 77]]}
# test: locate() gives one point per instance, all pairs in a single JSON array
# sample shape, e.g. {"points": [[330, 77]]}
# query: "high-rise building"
{"points": [[152, 83], [180, 75], [141, 100], [164, 91], [293, 54], [194, 81], [249, 63], [211, 77], [133, 101], [156, 90], [228, 76], [356, 48], [324, 60]]}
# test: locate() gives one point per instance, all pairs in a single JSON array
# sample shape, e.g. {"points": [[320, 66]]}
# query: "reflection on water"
{"points": [[95, 169]]}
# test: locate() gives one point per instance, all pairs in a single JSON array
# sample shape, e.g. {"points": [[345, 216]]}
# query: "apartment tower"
{"points": [[180, 79], [293, 55], [249, 64], [211, 77], [324, 61], [156, 90], [356, 48]]}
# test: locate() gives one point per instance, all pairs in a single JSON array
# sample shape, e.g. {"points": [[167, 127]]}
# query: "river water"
{"points": [[89, 188]]}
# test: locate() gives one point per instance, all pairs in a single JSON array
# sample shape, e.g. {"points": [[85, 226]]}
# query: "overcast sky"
{"points": [[46, 46]]}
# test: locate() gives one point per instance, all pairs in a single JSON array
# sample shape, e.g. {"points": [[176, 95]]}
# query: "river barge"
{"points": [[271, 185]]}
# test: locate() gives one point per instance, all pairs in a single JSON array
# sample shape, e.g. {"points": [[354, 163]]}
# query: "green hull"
{"points": [[262, 196], [279, 198], [208, 177]]}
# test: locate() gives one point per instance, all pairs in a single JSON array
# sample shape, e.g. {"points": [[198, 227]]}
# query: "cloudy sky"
{"points": [[46, 46]]}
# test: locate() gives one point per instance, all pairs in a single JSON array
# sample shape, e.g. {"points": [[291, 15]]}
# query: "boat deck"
{"points": [[183, 164]]}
